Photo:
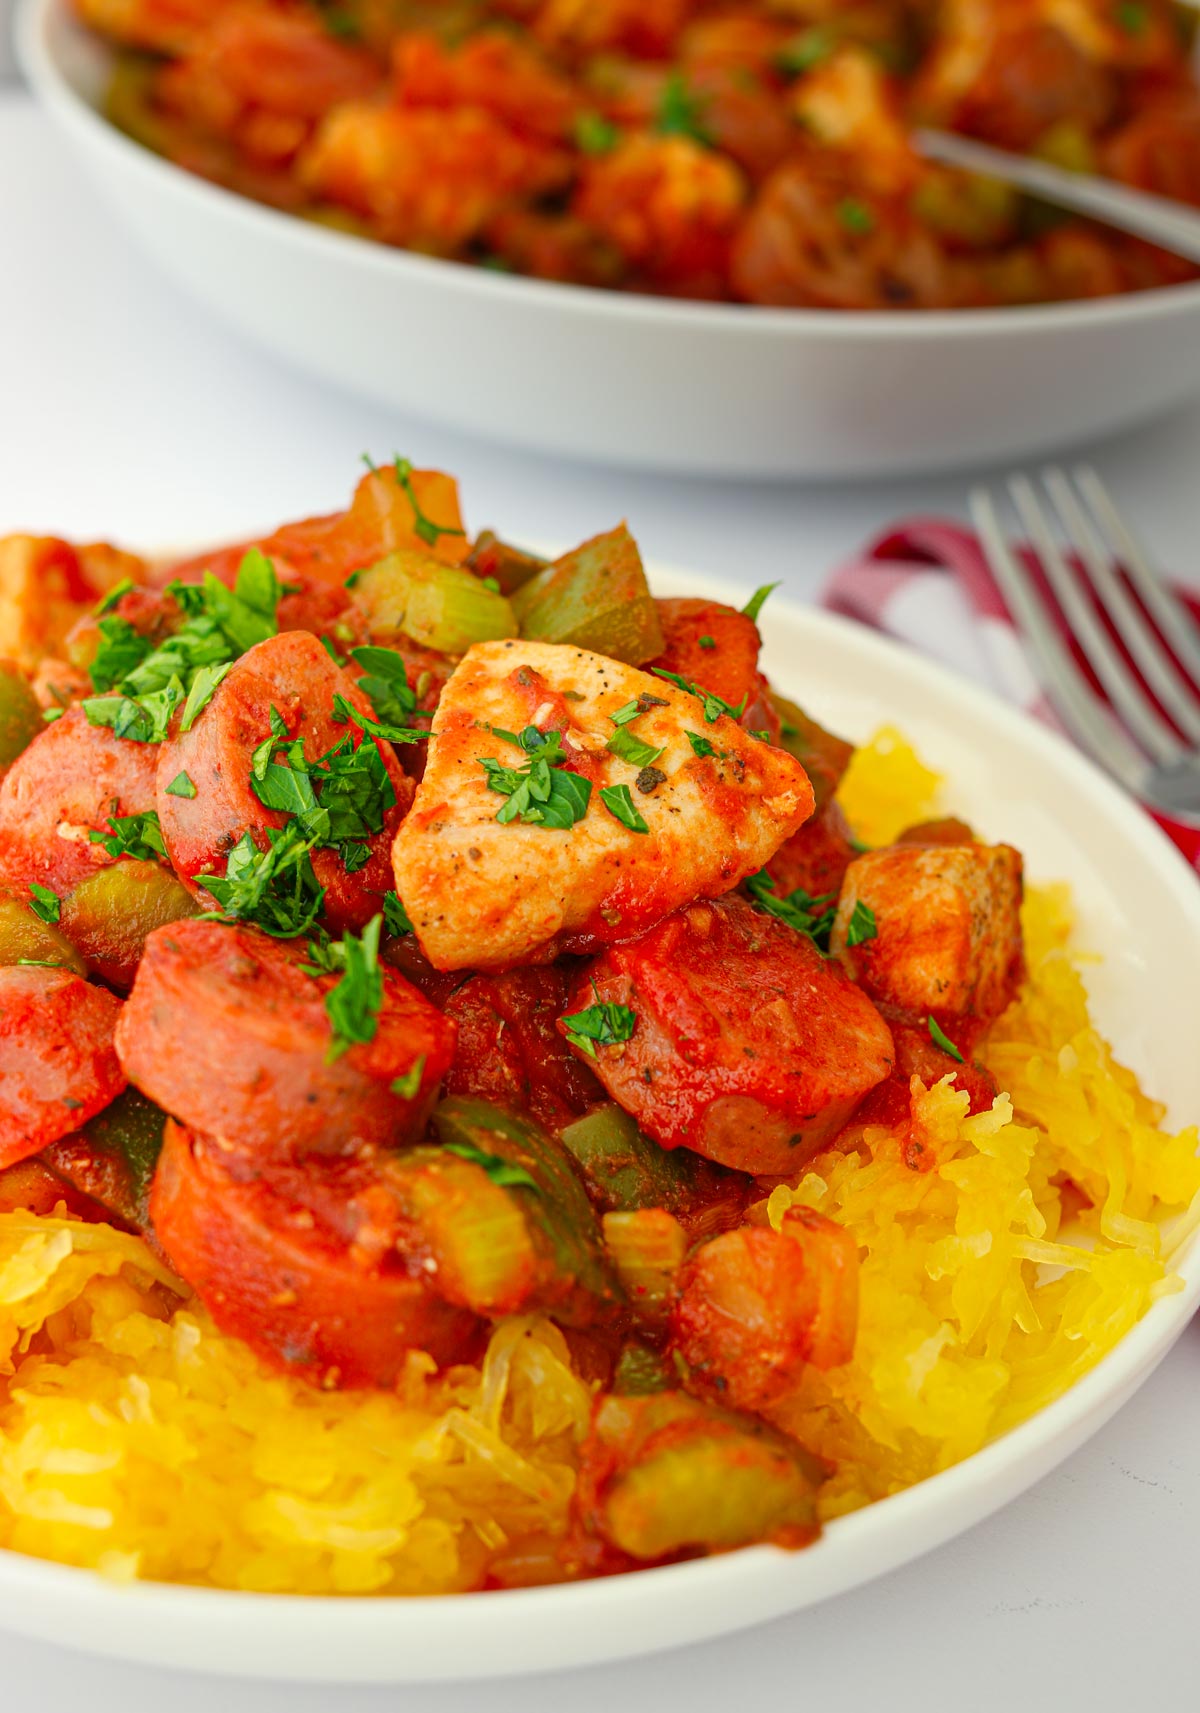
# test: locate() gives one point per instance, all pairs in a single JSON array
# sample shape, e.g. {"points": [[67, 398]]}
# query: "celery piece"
{"points": [[20, 716], [110, 913], [646, 1246], [624, 1169], [479, 1236], [690, 1476], [25, 938], [596, 597], [510, 567], [113, 1157], [641, 1370], [558, 1206], [440, 606], [823, 756]]}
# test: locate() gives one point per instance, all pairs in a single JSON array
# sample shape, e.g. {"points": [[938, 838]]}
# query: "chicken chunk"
{"points": [[700, 805], [948, 932], [747, 1045]]}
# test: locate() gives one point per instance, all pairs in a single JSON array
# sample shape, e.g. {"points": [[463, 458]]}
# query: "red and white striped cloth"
{"points": [[926, 582]]}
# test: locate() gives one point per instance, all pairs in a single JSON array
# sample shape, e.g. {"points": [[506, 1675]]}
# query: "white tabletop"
{"points": [[124, 414]]}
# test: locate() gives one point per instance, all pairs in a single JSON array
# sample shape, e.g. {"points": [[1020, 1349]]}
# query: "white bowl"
{"points": [[701, 388], [1138, 903]]}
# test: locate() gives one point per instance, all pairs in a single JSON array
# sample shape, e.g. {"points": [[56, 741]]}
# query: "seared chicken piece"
{"points": [[948, 931], [700, 804]]}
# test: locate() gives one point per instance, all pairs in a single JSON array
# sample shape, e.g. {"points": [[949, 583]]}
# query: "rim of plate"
{"points": [[37, 20], [766, 1581]]}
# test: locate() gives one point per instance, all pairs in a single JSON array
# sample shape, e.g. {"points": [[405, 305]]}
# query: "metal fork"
{"points": [[1091, 557]]}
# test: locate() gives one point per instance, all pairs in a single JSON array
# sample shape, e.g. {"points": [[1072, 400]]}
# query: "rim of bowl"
{"points": [[36, 20], [1117, 1374]]}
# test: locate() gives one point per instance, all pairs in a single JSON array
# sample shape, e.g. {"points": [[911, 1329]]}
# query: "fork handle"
{"points": [[1156, 218]]}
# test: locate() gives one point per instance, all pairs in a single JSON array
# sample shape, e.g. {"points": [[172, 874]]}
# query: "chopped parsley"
{"points": [[506, 1173], [862, 925], [345, 712], [700, 745], [681, 112], [384, 683], [353, 1006], [619, 803], [1132, 18], [755, 604], [338, 801], [44, 902], [137, 836], [856, 217], [115, 594], [708, 642], [139, 685], [423, 527], [275, 889], [408, 1086], [395, 916], [600, 1025], [940, 1039], [632, 749], [806, 51], [596, 135], [714, 705], [181, 786], [642, 705], [799, 909], [540, 793]]}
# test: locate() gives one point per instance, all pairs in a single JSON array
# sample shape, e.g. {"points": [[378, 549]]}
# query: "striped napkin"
{"points": [[926, 582]]}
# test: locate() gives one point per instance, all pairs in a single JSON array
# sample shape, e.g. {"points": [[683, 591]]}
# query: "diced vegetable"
{"points": [[439, 606], [20, 716], [483, 1238], [110, 913], [113, 1157], [647, 1246], [483, 1132], [597, 598], [25, 938], [664, 1475], [509, 567], [625, 1169]]}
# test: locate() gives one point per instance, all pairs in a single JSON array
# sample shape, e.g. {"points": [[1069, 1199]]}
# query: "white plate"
{"points": [[1138, 903], [701, 388]]}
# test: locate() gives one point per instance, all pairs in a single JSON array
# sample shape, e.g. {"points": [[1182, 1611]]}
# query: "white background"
{"points": [[123, 414]]}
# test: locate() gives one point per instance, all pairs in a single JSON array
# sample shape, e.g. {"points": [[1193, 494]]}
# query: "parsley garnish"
{"points": [[408, 1085], [395, 916], [862, 925], [714, 705], [800, 910], [940, 1039], [115, 594], [137, 836], [632, 749], [700, 745], [503, 1172], [219, 625], [344, 711], [708, 642], [541, 792], [856, 217], [385, 684], [424, 527], [602, 1024], [1132, 17], [353, 1006], [275, 889], [181, 786], [339, 800], [805, 51], [596, 135], [681, 112], [618, 802], [44, 902], [754, 605]]}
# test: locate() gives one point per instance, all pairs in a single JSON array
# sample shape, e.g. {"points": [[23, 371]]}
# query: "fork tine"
{"points": [[1171, 615], [1123, 690], [1156, 666], [1064, 684]]}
